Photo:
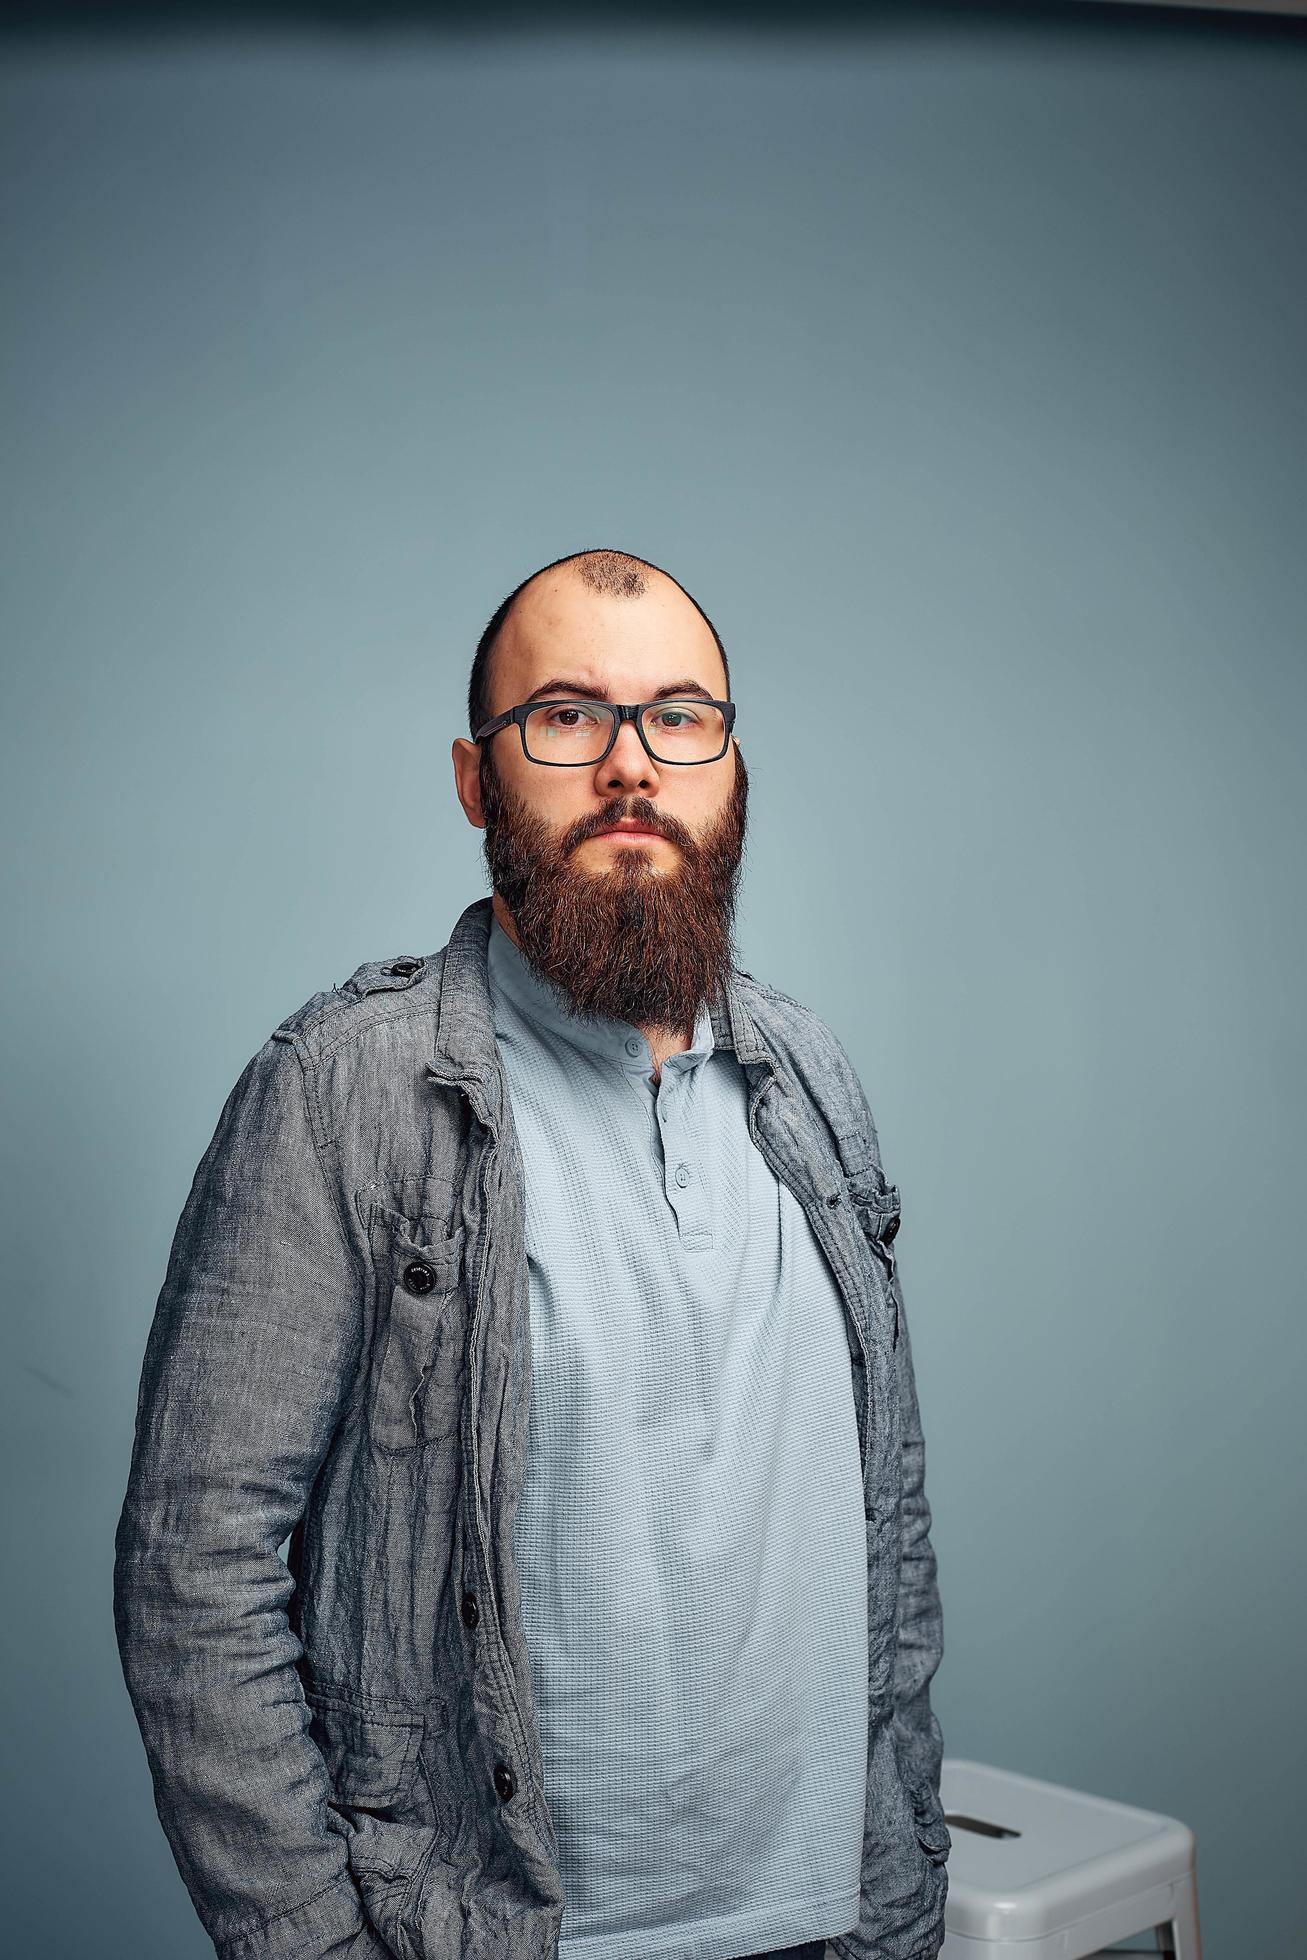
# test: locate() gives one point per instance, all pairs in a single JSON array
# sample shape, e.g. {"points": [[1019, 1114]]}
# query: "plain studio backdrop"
{"points": [[954, 362]]}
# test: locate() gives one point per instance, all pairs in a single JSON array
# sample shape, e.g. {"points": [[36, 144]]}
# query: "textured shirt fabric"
{"points": [[691, 1540]]}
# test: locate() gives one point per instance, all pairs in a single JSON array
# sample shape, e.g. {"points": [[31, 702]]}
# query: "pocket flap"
{"points": [[444, 1254], [932, 1829], [370, 1757], [878, 1205], [424, 1238]]}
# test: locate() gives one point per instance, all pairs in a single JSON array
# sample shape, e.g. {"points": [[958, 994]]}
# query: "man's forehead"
{"points": [[562, 625], [560, 601]]}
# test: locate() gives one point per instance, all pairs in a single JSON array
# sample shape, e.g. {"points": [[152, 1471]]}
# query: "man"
{"points": [[544, 1290]]}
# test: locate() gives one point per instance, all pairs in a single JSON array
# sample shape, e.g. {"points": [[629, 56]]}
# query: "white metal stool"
{"points": [[1052, 1874]]}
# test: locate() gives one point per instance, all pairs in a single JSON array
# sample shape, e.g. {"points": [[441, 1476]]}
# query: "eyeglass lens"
{"points": [[578, 731]]}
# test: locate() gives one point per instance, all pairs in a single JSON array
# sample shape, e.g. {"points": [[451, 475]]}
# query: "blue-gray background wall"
{"points": [[957, 370]]}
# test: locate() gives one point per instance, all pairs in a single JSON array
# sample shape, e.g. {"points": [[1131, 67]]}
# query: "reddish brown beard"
{"points": [[634, 942]]}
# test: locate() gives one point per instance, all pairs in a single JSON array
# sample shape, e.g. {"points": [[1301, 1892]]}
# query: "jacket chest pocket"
{"points": [[418, 1346], [878, 1210]]}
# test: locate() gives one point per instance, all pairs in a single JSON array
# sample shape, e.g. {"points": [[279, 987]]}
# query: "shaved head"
{"points": [[614, 574]]}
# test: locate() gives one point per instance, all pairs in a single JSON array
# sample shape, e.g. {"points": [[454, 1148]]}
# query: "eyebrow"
{"points": [[547, 689]]}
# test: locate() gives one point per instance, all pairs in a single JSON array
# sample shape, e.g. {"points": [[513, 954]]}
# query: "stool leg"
{"points": [[1179, 1937]]}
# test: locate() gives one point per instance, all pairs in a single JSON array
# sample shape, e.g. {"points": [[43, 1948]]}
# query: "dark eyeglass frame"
{"points": [[621, 711]]}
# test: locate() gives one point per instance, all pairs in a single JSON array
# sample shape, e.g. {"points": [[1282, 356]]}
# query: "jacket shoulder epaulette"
{"points": [[393, 976], [807, 1015], [399, 974], [772, 993]]}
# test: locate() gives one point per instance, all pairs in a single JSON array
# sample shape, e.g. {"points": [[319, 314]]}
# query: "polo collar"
{"points": [[465, 1047], [609, 1039]]}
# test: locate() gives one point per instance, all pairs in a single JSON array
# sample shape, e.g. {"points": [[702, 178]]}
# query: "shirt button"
{"points": [[633, 1046], [683, 1174], [418, 1277]]}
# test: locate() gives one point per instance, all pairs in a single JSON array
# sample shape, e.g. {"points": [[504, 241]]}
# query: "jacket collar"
{"points": [[465, 1048]]}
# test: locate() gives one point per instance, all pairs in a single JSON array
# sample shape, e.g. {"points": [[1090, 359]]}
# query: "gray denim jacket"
{"points": [[344, 1748]]}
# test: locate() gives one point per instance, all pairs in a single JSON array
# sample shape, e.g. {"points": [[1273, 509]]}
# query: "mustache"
{"points": [[640, 810]]}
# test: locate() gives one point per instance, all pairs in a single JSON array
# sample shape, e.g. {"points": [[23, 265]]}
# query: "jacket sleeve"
{"points": [[920, 1615], [250, 1358], [920, 1619]]}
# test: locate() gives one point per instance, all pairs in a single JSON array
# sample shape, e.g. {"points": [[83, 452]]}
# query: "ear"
{"points": [[466, 758]]}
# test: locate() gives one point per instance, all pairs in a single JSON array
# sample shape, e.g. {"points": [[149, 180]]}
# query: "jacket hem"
{"points": [[843, 1945], [325, 1926]]}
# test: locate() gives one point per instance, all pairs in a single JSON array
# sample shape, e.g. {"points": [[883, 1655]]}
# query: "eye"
{"points": [[679, 715], [579, 708]]}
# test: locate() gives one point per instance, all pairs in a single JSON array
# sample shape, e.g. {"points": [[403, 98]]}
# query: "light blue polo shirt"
{"points": [[691, 1541]]}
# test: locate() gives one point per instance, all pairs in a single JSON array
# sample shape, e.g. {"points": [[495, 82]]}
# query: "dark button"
{"points": [[834, 1198], [504, 1781], [418, 1276], [471, 1611], [403, 967]]}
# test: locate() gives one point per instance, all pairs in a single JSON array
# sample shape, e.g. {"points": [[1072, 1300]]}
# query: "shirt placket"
{"points": [[683, 1166]]}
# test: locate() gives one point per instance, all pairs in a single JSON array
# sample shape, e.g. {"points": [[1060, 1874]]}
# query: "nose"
{"points": [[628, 764]]}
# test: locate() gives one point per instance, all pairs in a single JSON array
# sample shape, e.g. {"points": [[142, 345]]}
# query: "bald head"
{"points": [[544, 605]]}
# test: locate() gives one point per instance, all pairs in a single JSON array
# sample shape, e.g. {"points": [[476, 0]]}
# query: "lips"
{"points": [[628, 830]]}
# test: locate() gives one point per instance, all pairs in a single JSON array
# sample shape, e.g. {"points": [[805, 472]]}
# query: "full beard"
{"points": [[634, 942]]}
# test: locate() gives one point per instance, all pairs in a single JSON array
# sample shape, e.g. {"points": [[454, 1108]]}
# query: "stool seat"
{"points": [[1057, 1873]]}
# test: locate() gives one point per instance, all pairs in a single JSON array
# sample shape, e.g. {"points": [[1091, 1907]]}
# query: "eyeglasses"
{"points": [[571, 734]]}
